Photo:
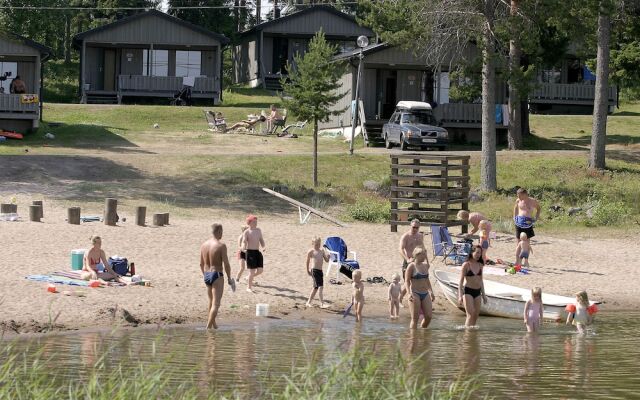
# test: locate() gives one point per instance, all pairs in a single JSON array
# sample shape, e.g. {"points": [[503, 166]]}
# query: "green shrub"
{"points": [[370, 209], [608, 213]]}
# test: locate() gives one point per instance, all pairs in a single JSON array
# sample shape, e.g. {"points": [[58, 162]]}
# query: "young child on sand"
{"points": [[394, 296], [319, 256], [253, 240], [484, 240], [358, 294], [242, 254], [533, 310], [523, 250], [580, 314]]}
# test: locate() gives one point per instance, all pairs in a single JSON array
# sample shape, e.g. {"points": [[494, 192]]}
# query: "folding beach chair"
{"points": [[278, 123], [288, 130], [444, 247], [338, 257], [216, 122]]}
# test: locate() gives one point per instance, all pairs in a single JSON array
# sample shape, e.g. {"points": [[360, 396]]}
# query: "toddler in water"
{"points": [[318, 256], [523, 249], [580, 314], [533, 310], [485, 241], [394, 296], [241, 255], [358, 294]]}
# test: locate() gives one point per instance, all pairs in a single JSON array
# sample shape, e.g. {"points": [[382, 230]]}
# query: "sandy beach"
{"points": [[169, 257]]}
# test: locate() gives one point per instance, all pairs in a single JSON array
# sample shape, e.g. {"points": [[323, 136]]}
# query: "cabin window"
{"points": [[155, 62], [188, 63], [8, 71]]}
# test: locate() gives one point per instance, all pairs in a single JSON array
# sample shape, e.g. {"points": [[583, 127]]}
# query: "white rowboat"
{"points": [[505, 300]]}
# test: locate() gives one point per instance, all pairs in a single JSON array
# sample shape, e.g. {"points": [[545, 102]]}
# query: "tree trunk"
{"points": [[515, 124], [601, 101], [258, 11], [276, 10], [110, 212], [236, 15], [488, 181], [524, 112], [315, 153], [67, 38]]}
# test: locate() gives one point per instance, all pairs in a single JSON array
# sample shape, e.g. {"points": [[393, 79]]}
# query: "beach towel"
{"points": [[90, 218], [61, 280]]}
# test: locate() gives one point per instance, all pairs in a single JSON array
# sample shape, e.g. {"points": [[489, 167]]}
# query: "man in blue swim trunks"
{"points": [[213, 255], [523, 213]]}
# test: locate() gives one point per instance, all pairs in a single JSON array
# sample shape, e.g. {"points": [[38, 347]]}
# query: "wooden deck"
{"points": [[11, 107], [569, 94], [164, 86]]}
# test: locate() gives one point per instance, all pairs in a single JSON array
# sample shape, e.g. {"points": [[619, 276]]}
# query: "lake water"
{"points": [[509, 363]]}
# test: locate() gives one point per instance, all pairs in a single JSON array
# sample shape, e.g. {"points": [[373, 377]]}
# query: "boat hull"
{"points": [[504, 300]]}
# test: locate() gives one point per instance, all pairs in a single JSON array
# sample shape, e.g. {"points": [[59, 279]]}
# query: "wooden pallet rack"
{"points": [[432, 188]]}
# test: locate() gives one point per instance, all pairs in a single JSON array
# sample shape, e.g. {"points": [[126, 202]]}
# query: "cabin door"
{"points": [[110, 69], [280, 55]]}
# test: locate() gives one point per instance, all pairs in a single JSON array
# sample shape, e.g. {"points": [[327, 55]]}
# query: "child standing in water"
{"points": [[394, 296], [523, 249], [485, 241], [579, 314], [533, 310], [318, 256], [242, 254], [358, 294]]}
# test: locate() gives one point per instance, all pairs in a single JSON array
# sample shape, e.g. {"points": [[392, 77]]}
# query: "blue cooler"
{"points": [[77, 257]]}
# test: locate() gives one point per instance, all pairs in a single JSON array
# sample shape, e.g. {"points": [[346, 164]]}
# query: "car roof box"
{"points": [[413, 105]]}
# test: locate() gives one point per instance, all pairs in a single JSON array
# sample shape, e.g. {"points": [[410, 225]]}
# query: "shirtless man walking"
{"points": [[523, 213], [253, 240], [409, 241], [213, 255]]}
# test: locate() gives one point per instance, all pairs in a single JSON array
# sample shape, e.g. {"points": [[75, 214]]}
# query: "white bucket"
{"points": [[262, 310]]}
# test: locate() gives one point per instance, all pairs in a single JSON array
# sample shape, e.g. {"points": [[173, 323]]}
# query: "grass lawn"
{"points": [[182, 165]]}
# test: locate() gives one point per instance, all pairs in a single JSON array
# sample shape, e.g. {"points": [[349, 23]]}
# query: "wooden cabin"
{"points": [[21, 57], [263, 51], [150, 54]]}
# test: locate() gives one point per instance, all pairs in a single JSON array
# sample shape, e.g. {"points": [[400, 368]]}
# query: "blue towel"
{"points": [[57, 279], [523, 222]]}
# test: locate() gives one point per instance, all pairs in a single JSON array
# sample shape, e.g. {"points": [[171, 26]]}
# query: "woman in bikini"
{"points": [[471, 286], [417, 282], [95, 265]]}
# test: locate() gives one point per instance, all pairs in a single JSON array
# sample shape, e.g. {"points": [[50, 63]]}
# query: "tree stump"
{"points": [[39, 203], [34, 213], [110, 212], [73, 215], [8, 208], [141, 216], [165, 218], [158, 219]]}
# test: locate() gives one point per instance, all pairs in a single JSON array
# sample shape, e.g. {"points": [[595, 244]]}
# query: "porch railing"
{"points": [[459, 113], [11, 103], [169, 84], [568, 93]]}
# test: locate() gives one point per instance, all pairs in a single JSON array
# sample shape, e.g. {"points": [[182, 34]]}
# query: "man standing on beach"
{"points": [[522, 213], [409, 241], [213, 255], [253, 240]]}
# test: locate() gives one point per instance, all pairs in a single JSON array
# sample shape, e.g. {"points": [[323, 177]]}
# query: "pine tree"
{"points": [[313, 87]]}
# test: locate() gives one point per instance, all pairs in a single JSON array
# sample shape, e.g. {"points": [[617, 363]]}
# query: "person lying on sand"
{"points": [[95, 265]]}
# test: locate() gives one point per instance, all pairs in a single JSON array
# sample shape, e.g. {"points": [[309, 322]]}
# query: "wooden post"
{"points": [[110, 211], [141, 216], [34, 213], [39, 203], [8, 208], [165, 218], [394, 193], [158, 219], [465, 188], [73, 215]]}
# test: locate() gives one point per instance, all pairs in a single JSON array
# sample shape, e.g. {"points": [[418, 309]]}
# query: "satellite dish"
{"points": [[362, 41]]}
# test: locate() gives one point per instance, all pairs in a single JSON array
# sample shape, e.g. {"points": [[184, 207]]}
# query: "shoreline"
{"points": [[169, 257]]}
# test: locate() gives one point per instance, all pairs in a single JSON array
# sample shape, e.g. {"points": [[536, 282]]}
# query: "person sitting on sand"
{"points": [[247, 123], [252, 239], [473, 218], [95, 265], [213, 256], [319, 256]]}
